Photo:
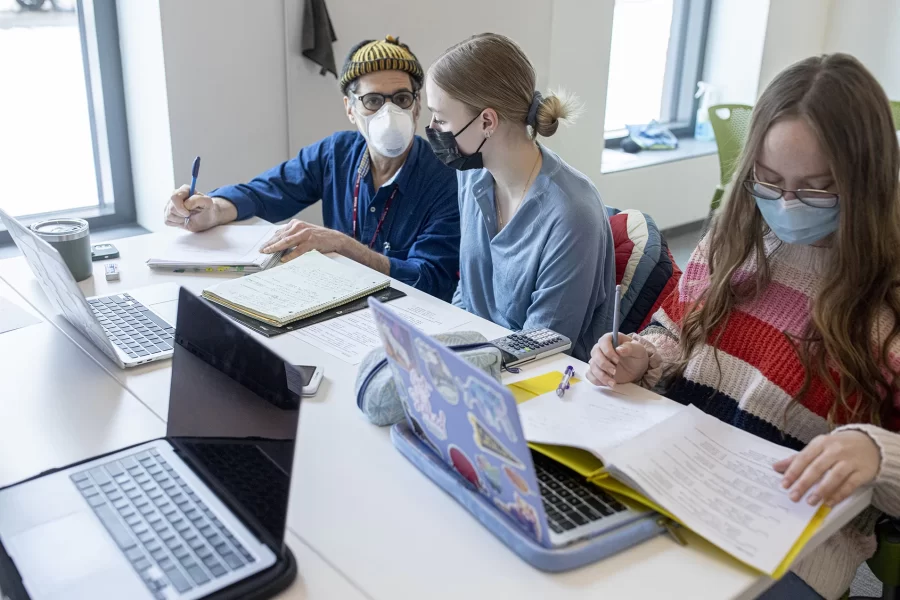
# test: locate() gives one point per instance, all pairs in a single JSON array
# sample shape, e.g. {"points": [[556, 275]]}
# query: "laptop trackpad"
{"points": [[167, 310], [57, 554]]}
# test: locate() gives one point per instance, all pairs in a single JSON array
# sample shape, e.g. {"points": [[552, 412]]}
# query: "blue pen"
{"points": [[564, 384], [195, 170]]}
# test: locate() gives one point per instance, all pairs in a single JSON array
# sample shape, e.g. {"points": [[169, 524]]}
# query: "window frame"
{"points": [[688, 36], [99, 34]]}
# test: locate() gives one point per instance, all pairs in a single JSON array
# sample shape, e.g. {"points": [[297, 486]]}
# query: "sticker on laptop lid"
{"points": [[463, 466], [523, 513], [490, 473], [420, 393], [489, 444], [438, 372], [517, 480], [396, 343], [491, 406]]}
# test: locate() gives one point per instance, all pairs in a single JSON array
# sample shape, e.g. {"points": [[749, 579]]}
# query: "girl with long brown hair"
{"points": [[787, 319]]}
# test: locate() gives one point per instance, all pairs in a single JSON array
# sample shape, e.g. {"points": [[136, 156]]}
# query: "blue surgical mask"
{"points": [[796, 223]]}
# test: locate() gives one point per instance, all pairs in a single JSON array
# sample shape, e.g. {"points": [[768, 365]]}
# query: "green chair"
{"points": [[885, 563], [895, 109], [731, 124]]}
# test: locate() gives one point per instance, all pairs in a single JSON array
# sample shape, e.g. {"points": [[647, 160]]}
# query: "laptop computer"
{"points": [[131, 328], [182, 517], [471, 422]]}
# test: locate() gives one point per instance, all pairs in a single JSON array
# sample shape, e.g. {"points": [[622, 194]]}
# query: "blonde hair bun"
{"points": [[490, 70]]}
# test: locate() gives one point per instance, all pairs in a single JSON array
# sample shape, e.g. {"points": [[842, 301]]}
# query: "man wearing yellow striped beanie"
{"points": [[387, 201]]}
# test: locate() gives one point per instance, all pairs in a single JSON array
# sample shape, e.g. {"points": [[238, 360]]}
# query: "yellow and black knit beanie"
{"points": [[388, 54]]}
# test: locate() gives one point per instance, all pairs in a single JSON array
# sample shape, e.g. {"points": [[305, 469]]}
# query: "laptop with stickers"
{"points": [[471, 423]]}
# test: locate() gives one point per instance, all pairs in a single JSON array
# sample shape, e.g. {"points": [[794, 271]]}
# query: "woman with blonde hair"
{"points": [[787, 318], [536, 247]]}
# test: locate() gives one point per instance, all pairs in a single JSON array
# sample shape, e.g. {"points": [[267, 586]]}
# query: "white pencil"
{"points": [[616, 316]]}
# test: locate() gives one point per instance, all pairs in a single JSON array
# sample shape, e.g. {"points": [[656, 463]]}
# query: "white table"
{"points": [[361, 506], [58, 406]]}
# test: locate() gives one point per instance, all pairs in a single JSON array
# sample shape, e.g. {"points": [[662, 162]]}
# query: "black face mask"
{"points": [[447, 150]]}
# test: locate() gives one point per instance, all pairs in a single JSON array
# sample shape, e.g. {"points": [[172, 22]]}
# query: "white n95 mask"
{"points": [[389, 131]]}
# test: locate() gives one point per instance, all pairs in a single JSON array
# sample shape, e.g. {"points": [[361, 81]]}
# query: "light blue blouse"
{"points": [[552, 265]]}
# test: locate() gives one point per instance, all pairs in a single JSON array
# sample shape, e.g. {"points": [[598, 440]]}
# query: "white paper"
{"points": [[14, 317], [353, 336], [227, 245], [593, 418], [303, 285], [718, 480]]}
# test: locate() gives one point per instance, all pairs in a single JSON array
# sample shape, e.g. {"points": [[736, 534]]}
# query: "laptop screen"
{"points": [[233, 412]]}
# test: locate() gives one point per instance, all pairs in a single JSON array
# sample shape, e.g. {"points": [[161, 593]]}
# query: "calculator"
{"points": [[532, 344]]}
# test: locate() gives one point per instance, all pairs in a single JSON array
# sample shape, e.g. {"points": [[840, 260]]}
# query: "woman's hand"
{"points": [[610, 365], [837, 464]]}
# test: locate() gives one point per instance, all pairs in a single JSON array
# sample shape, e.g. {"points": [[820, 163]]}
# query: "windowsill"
{"points": [[9, 250], [615, 160]]}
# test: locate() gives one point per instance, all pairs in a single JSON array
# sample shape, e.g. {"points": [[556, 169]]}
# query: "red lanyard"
{"points": [[363, 166]]}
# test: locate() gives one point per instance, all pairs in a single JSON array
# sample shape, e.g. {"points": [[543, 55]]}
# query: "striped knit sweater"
{"points": [[757, 374]]}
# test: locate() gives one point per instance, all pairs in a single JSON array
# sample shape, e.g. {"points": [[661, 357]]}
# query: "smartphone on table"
{"points": [[311, 378]]}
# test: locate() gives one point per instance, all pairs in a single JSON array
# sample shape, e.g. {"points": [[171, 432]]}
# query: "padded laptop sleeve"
{"points": [[264, 584], [546, 559]]}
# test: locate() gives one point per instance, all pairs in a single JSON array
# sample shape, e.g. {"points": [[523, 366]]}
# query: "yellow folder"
{"points": [[586, 464]]}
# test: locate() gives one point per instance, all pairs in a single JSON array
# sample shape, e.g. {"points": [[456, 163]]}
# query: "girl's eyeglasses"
{"points": [[814, 198]]}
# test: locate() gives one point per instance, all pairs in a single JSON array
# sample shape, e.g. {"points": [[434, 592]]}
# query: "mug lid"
{"points": [[61, 230]]}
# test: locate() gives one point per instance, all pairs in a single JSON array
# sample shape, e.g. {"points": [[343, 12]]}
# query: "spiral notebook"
{"points": [[301, 288]]}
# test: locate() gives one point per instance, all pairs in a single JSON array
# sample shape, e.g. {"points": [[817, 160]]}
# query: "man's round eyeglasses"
{"points": [[374, 101]]}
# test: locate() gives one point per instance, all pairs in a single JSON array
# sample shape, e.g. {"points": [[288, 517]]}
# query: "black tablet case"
{"points": [[260, 586]]}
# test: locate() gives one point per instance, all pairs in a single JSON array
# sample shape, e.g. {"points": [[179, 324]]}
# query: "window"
{"points": [[655, 62], [64, 144]]}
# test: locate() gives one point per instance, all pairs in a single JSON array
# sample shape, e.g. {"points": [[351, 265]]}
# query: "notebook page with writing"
{"points": [[227, 245], [300, 288], [593, 418], [718, 481]]}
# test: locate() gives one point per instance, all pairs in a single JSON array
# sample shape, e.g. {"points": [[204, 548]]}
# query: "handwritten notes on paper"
{"points": [[300, 287]]}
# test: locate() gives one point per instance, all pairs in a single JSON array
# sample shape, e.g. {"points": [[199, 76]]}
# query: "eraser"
{"points": [[112, 272]]}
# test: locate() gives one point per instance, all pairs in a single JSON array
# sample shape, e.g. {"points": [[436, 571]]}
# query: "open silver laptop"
{"points": [[182, 517], [131, 328]]}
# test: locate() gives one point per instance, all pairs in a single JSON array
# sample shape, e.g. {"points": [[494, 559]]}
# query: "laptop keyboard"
{"points": [[250, 476], [131, 326], [164, 529], [568, 499]]}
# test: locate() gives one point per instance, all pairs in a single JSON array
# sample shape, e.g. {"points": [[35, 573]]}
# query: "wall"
{"points": [[225, 75], [239, 94], [147, 107], [796, 29], [872, 35], [736, 39], [315, 105], [315, 109], [207, 78], [581, 145]]}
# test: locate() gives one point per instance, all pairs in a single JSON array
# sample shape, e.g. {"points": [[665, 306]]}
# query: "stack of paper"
{"points": [[225, 248]]}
